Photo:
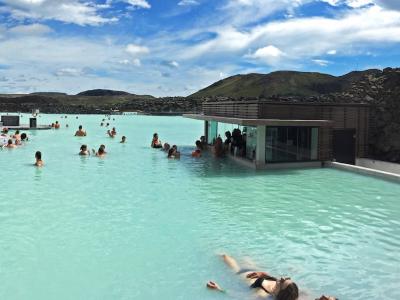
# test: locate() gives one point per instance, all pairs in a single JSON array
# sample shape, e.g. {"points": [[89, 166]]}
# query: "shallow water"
{"points": [[136, 225]]}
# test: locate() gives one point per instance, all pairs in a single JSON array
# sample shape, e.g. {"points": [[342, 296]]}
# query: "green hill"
{"points": [[282, 83]]}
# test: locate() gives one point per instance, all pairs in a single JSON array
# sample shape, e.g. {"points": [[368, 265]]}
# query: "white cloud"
{"points": [[33, 29], [268, 52], [171, 64], [137, 50], [139, 3], [321, 62], [188, 3], [70, 72], [306, 37], [136, 62], [68, 11], [331, 52]]}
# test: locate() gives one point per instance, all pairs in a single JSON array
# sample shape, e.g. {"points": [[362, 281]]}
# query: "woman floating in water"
{"points": [[39, 162], [265, 284], [156, 143]]}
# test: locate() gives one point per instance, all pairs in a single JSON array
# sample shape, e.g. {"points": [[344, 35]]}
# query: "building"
{"points": [[282, 134]]}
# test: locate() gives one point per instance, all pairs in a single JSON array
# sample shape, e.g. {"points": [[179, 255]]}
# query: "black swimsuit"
{"points": [[259, 281]]}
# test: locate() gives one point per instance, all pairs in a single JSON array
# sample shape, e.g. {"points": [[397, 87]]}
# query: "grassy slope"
{"points": [[282, 83]]}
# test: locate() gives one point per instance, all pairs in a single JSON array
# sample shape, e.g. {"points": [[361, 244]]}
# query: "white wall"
{"points": [[378, 165]]}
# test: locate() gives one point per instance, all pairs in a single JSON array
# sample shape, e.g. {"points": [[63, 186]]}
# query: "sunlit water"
{"points": [[136, 225]]}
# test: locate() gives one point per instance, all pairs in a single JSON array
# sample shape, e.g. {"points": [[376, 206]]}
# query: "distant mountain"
{"points": [[281, 83], [50, 94], [100, 92]]}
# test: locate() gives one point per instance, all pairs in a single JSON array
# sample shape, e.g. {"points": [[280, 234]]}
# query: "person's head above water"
{"points": [[101, 151], [155, 136], [286, 290], [80, 127], [84, 148], [23, 136], [198, 144], [38, 155], [9, 142], [123, 138]]}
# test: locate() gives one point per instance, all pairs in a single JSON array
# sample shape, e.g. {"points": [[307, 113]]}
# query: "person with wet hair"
{"points": [[80, 131], [39, 162], [10, 144], [101, 152], [84, 150], [197, 153], [155, 142], [123, 140], [265, 285], [282, 288]]}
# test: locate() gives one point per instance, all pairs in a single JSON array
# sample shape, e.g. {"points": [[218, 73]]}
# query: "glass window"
{"points": [[212, 131], [290, 144]]}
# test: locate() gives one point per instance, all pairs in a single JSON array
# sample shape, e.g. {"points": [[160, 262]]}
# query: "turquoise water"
{"points": [[136, 225]]}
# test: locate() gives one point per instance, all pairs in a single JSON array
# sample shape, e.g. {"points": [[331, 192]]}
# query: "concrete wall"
{"points": [[378, 165], [364, 171]]}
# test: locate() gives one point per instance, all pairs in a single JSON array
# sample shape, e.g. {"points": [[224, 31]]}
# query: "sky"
{"points": [[176, 47]]}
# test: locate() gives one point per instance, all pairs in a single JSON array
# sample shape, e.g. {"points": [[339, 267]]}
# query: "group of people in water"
{"points": [[18, 139], [173, 152], [265, 285], [234, 143], [12, 140]]}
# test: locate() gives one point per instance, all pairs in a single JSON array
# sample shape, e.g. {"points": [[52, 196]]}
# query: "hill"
{"points": [[101, 92], [281, 83]]}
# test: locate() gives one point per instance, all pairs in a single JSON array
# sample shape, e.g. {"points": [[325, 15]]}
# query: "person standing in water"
{"points": [[80, 131], [39, 162]]}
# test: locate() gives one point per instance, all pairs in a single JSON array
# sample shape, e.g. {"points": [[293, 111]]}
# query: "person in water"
{"points": [[10, 144], [166, 147], [197, 152], [57, 125], [39, 162], [219, 150], [80, 131], [101, 152], [123, 140], [265, 284], [84, 150], [173, 153], [24, 137], [156, 143], [112, 133], [16, 135]]}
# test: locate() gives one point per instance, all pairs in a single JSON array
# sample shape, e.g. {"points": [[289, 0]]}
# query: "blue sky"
{"points": [[176, 47]]}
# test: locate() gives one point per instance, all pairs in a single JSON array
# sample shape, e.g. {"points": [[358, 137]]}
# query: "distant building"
{"points": [[290, 134]]}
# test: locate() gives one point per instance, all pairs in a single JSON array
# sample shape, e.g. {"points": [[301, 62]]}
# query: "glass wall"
{"points": [[291, 144], [251, 142], [212, 131]]}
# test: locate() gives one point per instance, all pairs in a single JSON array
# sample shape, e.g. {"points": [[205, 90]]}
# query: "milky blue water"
{"points": [[136, 225]]}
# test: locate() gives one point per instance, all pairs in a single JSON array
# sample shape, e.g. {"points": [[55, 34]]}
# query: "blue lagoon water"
{"points": [[136, 225]]}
